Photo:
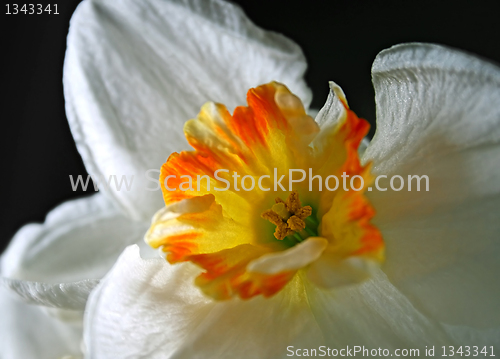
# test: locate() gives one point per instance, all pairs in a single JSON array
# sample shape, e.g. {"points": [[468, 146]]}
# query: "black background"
{"points": [[340, 40]]}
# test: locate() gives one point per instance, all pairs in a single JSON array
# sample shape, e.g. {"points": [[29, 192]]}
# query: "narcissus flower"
{"points": [[254, 241], [257, 272]]}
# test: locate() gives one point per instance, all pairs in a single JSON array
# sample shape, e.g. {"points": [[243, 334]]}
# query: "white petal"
{"points": [[142, 307], [63, 295], [135, 71], [431, 98], [256, 328], [152, 309], [58, 262], [28, 331], [332, 111], [331, 115], [438, 114], [475, 337], [375, 315]]}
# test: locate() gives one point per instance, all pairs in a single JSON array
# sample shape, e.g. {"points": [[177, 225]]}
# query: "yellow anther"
{"points": [[272, 217], [296, 224], [288, 216]]}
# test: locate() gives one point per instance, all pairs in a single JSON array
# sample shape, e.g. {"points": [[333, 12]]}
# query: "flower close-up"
{"points": [[256, 226]]}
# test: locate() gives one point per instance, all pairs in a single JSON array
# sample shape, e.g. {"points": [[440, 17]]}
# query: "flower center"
{"points": [[220, 230], [291, 219]]}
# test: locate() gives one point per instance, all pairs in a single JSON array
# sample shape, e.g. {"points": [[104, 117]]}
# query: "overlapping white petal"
{"points": [[71, 296], [135, 71], [59, 262], [374, 314], [438, 114], [151, 316], [30, 332], [149, 308]]}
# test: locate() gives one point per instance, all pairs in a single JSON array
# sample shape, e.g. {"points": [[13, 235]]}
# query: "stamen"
{"points": [[288, 217], [272, 217], [296, 224], [281, 210], [293, 202]]}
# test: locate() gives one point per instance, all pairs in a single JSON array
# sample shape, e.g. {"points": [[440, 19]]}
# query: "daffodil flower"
{"points": [[258, 272], [253, 240]]}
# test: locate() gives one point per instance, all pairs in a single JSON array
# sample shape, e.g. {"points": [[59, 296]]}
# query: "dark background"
{"points": [[340, 40]]}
